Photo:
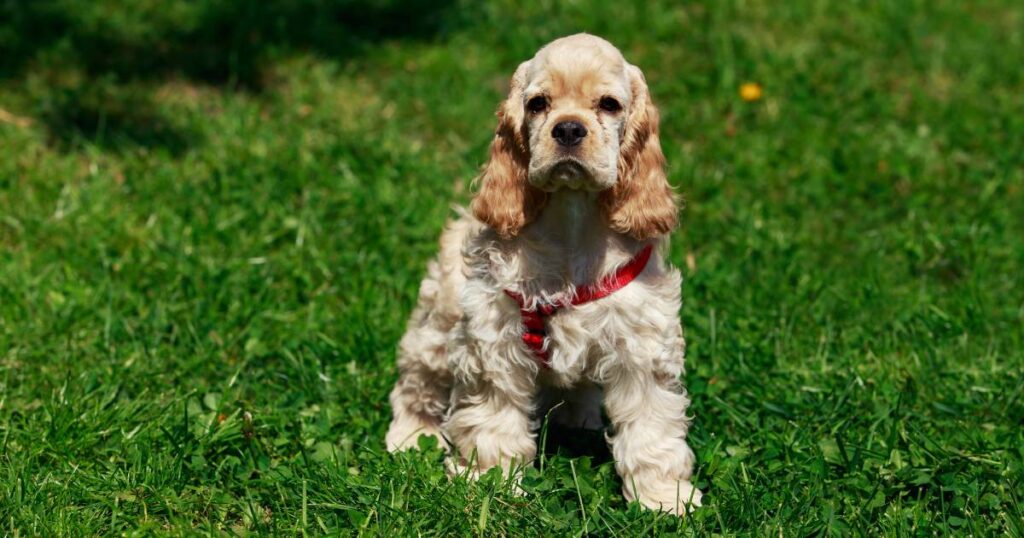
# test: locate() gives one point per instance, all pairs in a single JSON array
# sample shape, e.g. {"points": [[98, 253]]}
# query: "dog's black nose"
{"points": [[569, 133]]}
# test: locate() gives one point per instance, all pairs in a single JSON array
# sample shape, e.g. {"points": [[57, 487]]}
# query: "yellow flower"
{"points": [[751, 91]]}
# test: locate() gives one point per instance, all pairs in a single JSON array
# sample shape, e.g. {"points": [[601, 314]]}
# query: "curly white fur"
{"points": [[465, 374]]}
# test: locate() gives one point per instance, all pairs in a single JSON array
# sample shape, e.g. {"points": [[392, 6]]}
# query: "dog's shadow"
{"points": [[574, 442]]}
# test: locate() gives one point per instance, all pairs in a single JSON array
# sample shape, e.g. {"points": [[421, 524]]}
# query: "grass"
{"points": [[214, 216]]}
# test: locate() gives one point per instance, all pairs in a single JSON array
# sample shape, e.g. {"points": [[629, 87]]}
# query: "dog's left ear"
{"points": [[641, 203]]}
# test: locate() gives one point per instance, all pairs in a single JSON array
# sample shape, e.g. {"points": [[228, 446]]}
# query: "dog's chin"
{"points": [[568, 174]]}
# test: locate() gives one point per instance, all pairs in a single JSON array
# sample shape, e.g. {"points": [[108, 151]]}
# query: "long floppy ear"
{"points": [[506, 201], [641, 203]]}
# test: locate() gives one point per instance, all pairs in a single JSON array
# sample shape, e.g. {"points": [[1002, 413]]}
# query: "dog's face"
{"points": [[576, 95], [578, 116]]}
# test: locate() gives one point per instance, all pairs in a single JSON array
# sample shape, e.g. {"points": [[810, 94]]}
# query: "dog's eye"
{"points": [[537, 104], [609, 104]]}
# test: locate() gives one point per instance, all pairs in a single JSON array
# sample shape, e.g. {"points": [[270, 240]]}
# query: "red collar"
{"points": [[534, 332]]}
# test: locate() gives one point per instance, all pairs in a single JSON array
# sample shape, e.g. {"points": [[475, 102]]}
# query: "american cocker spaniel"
{"points": [[553, 294]]}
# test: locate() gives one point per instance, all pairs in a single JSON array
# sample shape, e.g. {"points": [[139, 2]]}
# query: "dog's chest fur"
{"points": [[569, 247]]}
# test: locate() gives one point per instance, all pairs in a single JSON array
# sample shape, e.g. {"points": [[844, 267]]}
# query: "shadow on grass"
{"points": [[113, 116], [97, 62], [574, 443]]}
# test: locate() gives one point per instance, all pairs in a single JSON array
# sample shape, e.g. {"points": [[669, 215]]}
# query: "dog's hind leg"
{"points": [[420, 398]]}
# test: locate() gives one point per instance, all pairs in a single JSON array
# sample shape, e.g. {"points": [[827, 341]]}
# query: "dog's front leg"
{"points": [[492, 401], [647, 407]]}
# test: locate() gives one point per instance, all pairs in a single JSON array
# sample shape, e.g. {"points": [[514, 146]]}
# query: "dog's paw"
{"points": [[676, 497], [513, 474], [460, 467], [406, 435]]}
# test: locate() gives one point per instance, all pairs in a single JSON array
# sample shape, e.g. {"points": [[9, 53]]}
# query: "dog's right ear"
{"points": [[506, 201]]}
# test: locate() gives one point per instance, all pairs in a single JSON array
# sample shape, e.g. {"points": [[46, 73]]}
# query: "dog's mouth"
{"points": [[567, 173]]}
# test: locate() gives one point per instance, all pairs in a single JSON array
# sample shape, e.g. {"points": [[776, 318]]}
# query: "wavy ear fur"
{"points": [[506, 201], [641, 203]]}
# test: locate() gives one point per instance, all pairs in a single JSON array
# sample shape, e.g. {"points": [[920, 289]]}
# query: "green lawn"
{"points": [[214, 216]]}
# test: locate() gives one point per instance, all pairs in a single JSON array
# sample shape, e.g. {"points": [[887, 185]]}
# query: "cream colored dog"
{"points": [[546, 294]]}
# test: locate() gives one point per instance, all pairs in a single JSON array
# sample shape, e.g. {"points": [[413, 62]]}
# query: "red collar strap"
{"points": [[534, 332]]}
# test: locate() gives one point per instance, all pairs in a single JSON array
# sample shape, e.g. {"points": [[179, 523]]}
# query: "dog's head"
{"points": [[578, 116]]}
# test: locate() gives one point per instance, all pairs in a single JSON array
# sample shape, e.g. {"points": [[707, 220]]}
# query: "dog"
{"points": [[552, 295]]}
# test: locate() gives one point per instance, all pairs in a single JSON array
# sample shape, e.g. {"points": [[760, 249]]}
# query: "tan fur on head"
{"points": [[506, 201], [619, 157], [641, 203]]}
